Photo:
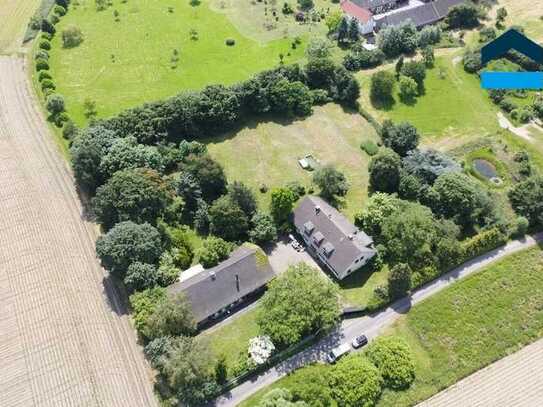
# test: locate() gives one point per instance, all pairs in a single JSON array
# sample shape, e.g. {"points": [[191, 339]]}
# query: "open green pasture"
{"points": [[124, 63], [453, 105], [266, 152], [465, 327]]}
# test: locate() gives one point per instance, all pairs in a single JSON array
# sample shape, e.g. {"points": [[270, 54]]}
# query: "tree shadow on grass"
{"points": [[385, 104]]}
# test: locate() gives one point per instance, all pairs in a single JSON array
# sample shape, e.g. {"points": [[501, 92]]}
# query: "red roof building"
{"points": [[361, 14]]}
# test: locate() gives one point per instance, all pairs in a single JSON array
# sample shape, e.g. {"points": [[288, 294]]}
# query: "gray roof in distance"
{"points": [[213, 289], [348, 241], [428, 13]]}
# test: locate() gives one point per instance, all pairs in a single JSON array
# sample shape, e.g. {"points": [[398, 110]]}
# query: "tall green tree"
{"points": [[343, 31], [128, 243], [138, 195], [227, 220], [353, 32], [394, 359], [399, 280], [384, 171], [171, 317], [355, 382], [331, 182], [298, 303], [282, 202], [382, 86], [401, 137], [208, 173]]}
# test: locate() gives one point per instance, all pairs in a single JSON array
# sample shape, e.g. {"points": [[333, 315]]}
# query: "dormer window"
{"points": [[328, 249], [309, 227], [318, 238]]}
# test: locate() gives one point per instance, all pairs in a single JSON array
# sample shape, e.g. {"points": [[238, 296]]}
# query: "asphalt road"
{"points": [[370, 325], [65, 339]]}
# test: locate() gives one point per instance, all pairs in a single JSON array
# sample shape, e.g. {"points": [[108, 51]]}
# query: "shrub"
{"points": [[43, 54], [472, 61], [522, 225], [483, 242], [44, 44], [44, 75], [69, 130], [55, 104], [54, 19], [47, 84], [59, 10], [394, 359], [47, 27], [42, 64], [71, 36], [382, 85], [230, 42], [46, 36], [369, 147]]}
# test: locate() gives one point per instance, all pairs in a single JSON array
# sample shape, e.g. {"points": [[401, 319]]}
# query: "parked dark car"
{"points": [[359, 341]]}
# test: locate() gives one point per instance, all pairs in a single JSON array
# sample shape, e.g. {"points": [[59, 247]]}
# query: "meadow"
{"points": [[467, 326], [266, 152], [453, 106], [128, 60]]}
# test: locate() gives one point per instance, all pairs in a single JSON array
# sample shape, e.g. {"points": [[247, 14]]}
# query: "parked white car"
{"points": [[338, 352]]}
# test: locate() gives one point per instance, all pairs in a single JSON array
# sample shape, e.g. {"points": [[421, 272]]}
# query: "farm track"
{"points": [[65, 339]]}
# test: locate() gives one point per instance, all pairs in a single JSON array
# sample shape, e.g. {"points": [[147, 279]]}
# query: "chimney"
{"points": [[317, 209], [213, 276], [237, 282], [351, 237]]}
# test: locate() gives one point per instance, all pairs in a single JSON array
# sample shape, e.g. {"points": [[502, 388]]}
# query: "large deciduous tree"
{"points": [[355, 382], [331, 182], [282, 201], [401, 137], [394, 359], [208, 173], [227, 220], [527, 199], [382, 85], [298, 303], [128, 243], [171, 317], [384, 171], [139, 195]]}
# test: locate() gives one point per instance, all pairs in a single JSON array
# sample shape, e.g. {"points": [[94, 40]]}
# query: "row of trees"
{"points": [[356, 380], [288, 89]]}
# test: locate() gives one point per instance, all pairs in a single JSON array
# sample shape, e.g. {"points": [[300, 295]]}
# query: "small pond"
{"points": [[485, 168]]}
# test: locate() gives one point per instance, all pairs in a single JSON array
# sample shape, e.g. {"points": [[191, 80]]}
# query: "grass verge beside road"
{"points": [[466, 327]]}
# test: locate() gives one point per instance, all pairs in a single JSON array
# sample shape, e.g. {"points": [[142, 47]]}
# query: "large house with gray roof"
{"points": [[216, 291], [372, 15], [331, 238]]}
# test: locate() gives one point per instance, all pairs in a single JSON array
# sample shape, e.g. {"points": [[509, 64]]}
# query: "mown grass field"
{"points": [[14, 15], [466, 327], [255, 19], [453, 106], [125, 63], [231, 339], [267, 152], [527, 14]]}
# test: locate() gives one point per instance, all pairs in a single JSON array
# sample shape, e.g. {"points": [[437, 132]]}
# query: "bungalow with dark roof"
{"points": [[216, 291], [330, 238]]}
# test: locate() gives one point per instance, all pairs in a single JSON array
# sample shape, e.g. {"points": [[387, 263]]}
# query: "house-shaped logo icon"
{"points": [[512, 40]]}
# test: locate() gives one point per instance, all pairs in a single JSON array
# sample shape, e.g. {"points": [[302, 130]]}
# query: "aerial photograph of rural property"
{"points": [[271, 203]]}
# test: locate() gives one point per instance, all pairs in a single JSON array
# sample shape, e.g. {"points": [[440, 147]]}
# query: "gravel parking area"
{"points": [[282, 255]]}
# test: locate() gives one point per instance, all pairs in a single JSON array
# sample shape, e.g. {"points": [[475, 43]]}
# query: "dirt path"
{"points": [[61, 343], [516, 380]]}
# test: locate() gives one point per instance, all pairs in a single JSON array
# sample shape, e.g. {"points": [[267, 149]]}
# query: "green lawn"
{"points": [[267, 152], [126, 63], [453, 106], [232, 337], [357, 289], [467, 326]]}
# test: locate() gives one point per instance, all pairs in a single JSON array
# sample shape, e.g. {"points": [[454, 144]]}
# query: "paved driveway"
{"points": [[282, 255], [371, 325]]}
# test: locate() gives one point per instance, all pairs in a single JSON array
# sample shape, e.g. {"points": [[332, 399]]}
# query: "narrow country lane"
{"points": [[64, 338], [371, 325]]}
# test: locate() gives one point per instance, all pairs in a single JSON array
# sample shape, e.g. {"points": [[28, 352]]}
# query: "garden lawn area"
{"points": [[357, 289], [526, 14], [122, 64], [267, 152], [15, 16], [231, 338], [453, 106], [465, 327]]}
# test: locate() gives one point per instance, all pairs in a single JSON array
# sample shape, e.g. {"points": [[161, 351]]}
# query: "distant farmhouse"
{"points": [[331, 238], [372, 15], [213, 292]]}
